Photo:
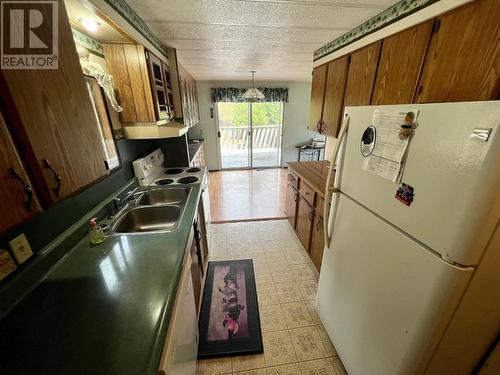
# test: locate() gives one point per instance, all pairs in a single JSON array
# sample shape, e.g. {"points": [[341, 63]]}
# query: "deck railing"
{"points": [[236, 137]]}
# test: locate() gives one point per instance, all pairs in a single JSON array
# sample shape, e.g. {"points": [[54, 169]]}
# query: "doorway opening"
{"points": [[249, 134]]}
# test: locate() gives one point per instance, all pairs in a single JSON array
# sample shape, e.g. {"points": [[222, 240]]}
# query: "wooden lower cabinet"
{"points": [[305, 218], [291, 204], [181, 343], [317, 241]]}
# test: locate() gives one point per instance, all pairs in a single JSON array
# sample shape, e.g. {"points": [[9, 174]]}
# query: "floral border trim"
{"points": [[137, 23], [396, 12], [91, 44]]}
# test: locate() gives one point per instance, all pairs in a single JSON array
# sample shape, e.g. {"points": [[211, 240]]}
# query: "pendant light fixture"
{"points": [[253, 93]]}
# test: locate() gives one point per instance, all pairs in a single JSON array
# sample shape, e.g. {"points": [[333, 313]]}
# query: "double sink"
{"points": [[151, 210]]}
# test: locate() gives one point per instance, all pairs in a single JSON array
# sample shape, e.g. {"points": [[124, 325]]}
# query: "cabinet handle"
{"points": [[311, 215], [57, 177], [26, 187], [319, 223], [322, 127], [295, 196]]}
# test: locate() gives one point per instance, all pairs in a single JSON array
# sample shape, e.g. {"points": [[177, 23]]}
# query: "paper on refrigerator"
{"points": [[389, 154]]}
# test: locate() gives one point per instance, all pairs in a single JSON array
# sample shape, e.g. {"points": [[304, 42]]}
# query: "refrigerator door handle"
{"points": [[329, 190]]}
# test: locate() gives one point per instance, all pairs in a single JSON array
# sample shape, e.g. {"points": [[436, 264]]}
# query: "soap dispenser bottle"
{"points": [[96, 235]]}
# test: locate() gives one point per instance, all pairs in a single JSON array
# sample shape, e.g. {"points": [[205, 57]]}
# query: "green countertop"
{"points": [[102, 309]]}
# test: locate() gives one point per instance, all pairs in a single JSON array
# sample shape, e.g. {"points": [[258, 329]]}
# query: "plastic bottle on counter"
{"points": [[96, 235]]}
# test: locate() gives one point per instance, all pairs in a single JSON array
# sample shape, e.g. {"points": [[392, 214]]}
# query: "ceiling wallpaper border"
{"points": [[396, 12], [137, 23], [91, 44]]}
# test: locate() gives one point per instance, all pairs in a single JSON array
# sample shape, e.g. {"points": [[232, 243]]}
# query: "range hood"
{"points": [[155, 130]]}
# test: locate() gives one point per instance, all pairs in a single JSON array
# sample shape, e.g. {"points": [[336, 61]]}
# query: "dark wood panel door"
{"points": [[334, 96], [361, 75], [317, 95], [401, 58], [305, 218], [317, 242], [58, 120], [17, 199], [463, 59], [291, 204]]}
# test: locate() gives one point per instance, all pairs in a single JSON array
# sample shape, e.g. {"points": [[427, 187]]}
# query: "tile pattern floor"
{"points": [[295, 342]]}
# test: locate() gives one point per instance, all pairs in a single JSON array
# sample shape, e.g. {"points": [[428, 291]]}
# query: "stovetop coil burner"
{"points": [[174, 171], [164, 181], [193, 170], [187, 180]]}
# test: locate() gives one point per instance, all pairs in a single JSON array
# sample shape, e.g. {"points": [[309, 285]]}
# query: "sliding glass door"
{"points": [[249, 134], [267, 120]]}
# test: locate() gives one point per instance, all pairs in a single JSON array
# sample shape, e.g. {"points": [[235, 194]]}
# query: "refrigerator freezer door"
{"points": [[382, 296], [454, 176]]}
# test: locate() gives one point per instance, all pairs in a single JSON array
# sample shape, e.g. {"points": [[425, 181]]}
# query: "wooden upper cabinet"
{"points": [[361, 75], [17, 198], [334, 96], [127, 64], [463, 59], [317, 95], [401, 58], [58, 121]]}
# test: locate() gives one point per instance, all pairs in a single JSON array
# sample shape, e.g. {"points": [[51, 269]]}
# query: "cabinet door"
{"points": [[334, 95], [317, 242], [361, 75], [158, 86], [181, 342], [291, 204], [58, 120], [196, 274], [400, 61], [317, 95], [463, 60], [305, 217], [17, 200], [128, 66]]}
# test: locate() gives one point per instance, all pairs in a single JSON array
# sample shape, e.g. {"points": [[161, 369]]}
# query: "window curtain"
{"points": [[235, 95]]}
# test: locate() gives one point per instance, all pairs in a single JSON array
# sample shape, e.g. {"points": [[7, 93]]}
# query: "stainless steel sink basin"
{"points": [[148, 219], [163, 196]]}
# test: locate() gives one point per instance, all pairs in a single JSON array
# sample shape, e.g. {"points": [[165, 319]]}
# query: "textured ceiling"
{"points": [[225, 39]]}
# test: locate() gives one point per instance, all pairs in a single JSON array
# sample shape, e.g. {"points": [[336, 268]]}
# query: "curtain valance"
{"points": [[235, 95]]}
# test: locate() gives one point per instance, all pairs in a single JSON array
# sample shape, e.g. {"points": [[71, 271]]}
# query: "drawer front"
{"points": [[293, 179], [307, 193]]}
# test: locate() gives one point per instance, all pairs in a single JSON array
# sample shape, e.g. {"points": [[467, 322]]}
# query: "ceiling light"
{"points": [[253, 93], [89, 24]]}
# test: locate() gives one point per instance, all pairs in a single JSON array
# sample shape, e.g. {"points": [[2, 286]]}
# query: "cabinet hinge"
{"points": [[146, 54], [436, 25]]}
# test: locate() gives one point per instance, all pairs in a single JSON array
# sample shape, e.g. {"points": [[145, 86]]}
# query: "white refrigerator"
{"points": [[393, 274]]}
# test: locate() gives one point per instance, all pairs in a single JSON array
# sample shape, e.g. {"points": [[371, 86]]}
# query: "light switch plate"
{"points": [[7, 265], [20, 248]]}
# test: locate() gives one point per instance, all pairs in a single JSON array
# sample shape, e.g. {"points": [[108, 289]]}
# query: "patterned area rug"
{"points": [[229, 318]]}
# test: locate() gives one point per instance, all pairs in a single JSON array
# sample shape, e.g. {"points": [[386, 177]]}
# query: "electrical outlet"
{"points": [[21, 248], [7, 264]]}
